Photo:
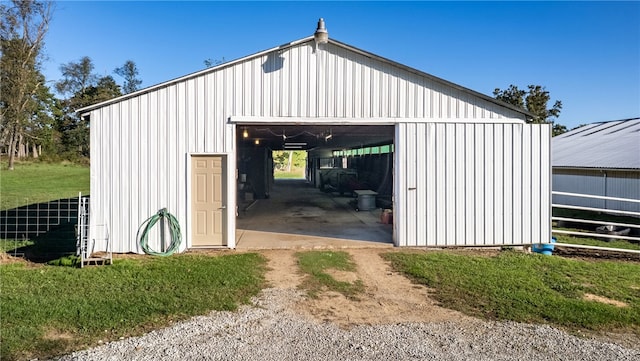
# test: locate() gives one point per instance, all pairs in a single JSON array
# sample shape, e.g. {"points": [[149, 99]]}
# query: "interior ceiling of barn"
{"points": [[315, 137]]}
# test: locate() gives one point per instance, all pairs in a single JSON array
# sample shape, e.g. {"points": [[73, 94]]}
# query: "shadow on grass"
{"points": [[49, 226]]}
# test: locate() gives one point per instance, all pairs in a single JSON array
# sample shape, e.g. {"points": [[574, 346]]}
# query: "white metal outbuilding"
{"points": [[598, 159], [468, 170]]}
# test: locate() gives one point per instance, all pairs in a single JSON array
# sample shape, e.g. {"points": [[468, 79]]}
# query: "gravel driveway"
{"points": [[270, 330], [396, 321]]}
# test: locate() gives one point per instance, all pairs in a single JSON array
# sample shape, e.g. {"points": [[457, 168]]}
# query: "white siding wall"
{"points": [[140, 145], [598, 182], [463, 184]]}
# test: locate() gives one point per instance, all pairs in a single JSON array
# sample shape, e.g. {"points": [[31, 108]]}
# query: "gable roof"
{"points": [[473, 93], [613, 145]]}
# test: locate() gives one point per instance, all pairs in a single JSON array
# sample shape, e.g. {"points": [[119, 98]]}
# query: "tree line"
{"points": [[36, 123]]}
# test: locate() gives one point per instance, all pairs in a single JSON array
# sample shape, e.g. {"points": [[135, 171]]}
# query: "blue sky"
{"points": [[587, 54]]}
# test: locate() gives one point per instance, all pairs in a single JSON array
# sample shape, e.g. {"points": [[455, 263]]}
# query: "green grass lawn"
{"points": [[316, 264], [294, 174], [35, 182], [530, 288], [49, 310]]}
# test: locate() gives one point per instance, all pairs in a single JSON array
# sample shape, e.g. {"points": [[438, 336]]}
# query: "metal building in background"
{"points": [[601, 159], [467, 169]]}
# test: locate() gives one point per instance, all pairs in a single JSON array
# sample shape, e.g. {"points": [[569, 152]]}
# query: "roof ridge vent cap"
{"points": [[321, 35]]}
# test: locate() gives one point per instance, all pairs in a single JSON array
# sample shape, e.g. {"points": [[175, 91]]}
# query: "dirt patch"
{"points": [[342, 276], [389, 297], [57, 335], [8, 259], [602, 299], [282, 269], [596, 255]]}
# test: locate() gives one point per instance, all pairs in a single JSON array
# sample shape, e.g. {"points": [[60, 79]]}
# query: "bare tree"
{"points": [[22, 30]]}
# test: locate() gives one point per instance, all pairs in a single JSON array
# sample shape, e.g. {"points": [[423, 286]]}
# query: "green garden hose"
{"points": [[174, 231]]}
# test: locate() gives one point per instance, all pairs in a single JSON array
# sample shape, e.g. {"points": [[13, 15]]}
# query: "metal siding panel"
{"points": [[450, 190], [190, 116], [411, 175], [217, 111], [198, 113], [313, 85], [479, 185], [125, 174], [330, 89], [256, 96], [536, 177], [152, 166], [339, 94], [96, 174], [526, 185], [441, 184], [321, 96], [611, 183], [586, 182], [114, 172], [421, 184], [209, 101], [355, 91], [460, 185], [488, 185], [622, 185], [517, 167], [507, 176], [545, 182], [400, 189], [183, 129], [265, 90], [374, 91], [162, 154], [135, 164], [394, 94], [499, 190], [287, 98], [432, 190], [145, 154], [302, 84], [469, 181]]}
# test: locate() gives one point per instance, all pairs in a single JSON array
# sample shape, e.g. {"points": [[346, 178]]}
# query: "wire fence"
{"points": [[31, 220]]}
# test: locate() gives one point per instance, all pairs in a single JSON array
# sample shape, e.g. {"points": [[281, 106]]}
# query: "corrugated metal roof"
{"points": [[614, 144]]}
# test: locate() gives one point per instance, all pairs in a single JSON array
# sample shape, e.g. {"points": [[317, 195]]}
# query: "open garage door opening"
{"points": [[344, 190]]}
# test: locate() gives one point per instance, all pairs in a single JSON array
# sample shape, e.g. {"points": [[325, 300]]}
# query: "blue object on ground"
{"points": [[546, 249]]}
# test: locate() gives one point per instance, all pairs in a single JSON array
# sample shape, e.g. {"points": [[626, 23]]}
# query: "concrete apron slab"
{"points": [[297, 215], [256, 240]]}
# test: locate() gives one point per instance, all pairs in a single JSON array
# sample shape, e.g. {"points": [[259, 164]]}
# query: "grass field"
{"points": [[296, 173], [34, 182], [48, 310], [531, 288]]}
